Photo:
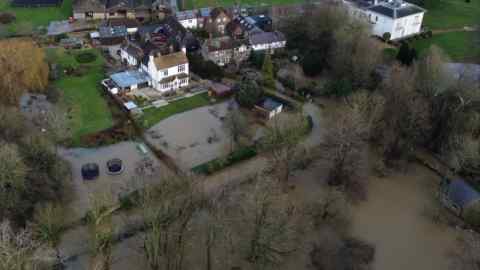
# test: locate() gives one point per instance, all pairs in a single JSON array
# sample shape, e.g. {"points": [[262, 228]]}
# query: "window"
{"points": [[218, 20], [165, 72], [189, 21], [111, 13], [376, 18], [181, 68]]}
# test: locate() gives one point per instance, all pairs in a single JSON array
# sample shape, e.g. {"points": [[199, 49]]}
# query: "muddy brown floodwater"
{"points": [[393, 220]]}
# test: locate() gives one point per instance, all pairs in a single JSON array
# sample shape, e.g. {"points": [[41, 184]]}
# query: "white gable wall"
{"points": [[126, 57], [398, 28], [189, 23], [158, 75]]}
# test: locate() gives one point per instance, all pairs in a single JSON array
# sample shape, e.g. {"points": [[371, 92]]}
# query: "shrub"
{"points": [[248, 94], [472, 215], [7, 17], [386, 36], [221, 163], [85, 57]]}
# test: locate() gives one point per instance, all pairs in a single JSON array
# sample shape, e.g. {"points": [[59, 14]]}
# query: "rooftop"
{"points": [[170, 60], [269, 104], [186, 15], [461, 193], [129, 78], [396, 9], [266, 37]]}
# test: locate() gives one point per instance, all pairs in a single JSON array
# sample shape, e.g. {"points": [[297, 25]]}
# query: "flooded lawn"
{"points": [[393, 220]]}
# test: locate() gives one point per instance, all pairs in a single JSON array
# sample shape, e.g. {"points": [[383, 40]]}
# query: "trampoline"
{"points": [[90, 171], [114, 166]]}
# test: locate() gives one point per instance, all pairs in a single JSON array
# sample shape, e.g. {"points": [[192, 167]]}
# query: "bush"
{"points": [[248, 94], [7, 17], [221, 163], [472, 216], [339, 88], [85, 57], [53, 95]]}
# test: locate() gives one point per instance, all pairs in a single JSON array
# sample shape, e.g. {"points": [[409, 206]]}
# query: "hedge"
{"points": [[221, 163]]}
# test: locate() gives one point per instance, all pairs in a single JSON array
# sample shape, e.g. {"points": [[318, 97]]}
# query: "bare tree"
{"points": [[237, 126], [355, 55], [467, 255], [168, 212], [432, 77], [17, 249], [101, 230], [12, 177], [345, 145], [331, 209], [270, 219], [406, 115], [48, 226], [282, 141]]}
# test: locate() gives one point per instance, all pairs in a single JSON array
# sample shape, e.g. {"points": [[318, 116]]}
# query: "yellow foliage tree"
{"points": [[23, 68]]}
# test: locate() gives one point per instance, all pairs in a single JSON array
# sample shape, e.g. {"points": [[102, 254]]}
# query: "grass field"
{"points": [[34, 17], [88, 110], [448, 14], [191, 4], [458, 45], [151, 116]]}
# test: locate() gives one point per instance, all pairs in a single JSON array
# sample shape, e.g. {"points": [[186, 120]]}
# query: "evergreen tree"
{"points": [[267, 71], [406, 55]]}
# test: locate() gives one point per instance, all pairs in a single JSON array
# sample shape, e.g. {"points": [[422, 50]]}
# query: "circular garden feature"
{"points": [[90, 171], [114, 166], [85, 57]]}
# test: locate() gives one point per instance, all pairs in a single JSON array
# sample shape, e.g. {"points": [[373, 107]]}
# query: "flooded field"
{"points": [[393, 220]]}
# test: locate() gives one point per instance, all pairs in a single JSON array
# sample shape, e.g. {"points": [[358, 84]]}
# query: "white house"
{"points": [[399, 18], [167, 72], [267, 41], [130, 54], [188, 18]]}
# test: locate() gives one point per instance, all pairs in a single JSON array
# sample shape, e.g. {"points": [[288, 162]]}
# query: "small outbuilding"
{"points": [[268, 108], [220, 90], [457, 195]]}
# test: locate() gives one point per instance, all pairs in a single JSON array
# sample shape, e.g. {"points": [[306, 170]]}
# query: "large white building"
{"points": [[267, 41], [398, 18], [167, 72], [188, 18]]}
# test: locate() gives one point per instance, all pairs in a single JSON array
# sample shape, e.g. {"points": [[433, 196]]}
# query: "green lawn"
{"points": [[447, 14], [151, 116], [34, 17], [88, 110], [458, 45], [191, 4]]}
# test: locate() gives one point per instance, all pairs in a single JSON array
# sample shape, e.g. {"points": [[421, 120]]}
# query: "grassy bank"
{"points": [[459, 46], [450, 14], [33, 17], [151, 116], [191, 4], [87, 109]]}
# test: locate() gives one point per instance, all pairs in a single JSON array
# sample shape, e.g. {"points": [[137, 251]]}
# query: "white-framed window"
{"points": [[189, 21], [181, 68], [165, 72], [218, 20]]}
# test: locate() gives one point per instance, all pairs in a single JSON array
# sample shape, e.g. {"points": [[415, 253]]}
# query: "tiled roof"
{"points": [[266, 38], [170, 60], [396, 10]]}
